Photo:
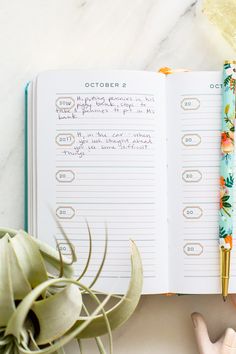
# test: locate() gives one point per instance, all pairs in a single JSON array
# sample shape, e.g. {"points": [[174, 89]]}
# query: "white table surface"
{"points": [[119, 34]]}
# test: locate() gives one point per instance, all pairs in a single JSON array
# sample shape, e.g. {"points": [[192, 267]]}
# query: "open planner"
{"points": [[138, 152]]}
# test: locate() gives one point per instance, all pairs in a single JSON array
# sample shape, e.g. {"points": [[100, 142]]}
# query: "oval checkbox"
{"points": [[191, 140], [63, 103], [192, 176], [65, 176], [190, 103], [65, 139], [65, 212], [65, 248], [192, 212], [193, 249]]}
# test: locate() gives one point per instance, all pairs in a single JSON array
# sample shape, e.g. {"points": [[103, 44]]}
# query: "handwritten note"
{"points": [[87, 143], [79, 106]]}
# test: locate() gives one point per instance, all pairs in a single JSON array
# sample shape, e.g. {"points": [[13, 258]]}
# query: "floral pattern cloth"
{"points": [[227, 156]]}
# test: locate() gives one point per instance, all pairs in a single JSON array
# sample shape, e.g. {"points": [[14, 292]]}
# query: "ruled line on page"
{"points": [[99, 93]]}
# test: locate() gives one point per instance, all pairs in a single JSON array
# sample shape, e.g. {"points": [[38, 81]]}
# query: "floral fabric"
{"points": [[227, 156]]}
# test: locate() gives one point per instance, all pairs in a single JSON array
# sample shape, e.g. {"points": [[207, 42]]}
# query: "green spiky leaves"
{"points": [[40, 312]]}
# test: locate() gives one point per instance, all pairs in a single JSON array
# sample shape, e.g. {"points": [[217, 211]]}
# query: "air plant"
{"points": [[42, 305]]}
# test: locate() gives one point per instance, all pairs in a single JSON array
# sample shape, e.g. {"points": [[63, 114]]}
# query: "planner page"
{"points": [[194, 124], [101, 156]]}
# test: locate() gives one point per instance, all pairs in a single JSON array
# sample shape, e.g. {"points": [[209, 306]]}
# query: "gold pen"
{"points": [[227, 172], [225, 271]]}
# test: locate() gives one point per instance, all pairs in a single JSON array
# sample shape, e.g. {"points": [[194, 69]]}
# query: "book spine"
{"points": [[26, 161]]}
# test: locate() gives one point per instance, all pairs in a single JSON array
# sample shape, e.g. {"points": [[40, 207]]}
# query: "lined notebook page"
{"points": [[101, 156], [194, 155]]}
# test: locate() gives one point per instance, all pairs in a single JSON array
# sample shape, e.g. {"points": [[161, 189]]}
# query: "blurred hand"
{"points": [[225, 345]]}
